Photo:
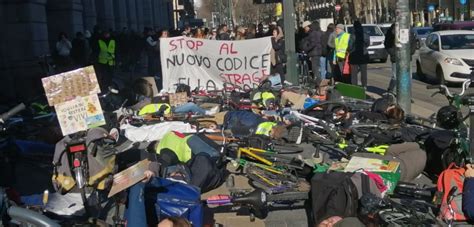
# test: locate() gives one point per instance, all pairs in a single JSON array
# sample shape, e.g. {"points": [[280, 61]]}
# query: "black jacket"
{"points": [[358, 49], [311, 44], [279, 47], [223, 36], [324, 43]]}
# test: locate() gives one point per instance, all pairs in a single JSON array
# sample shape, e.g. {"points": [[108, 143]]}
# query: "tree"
{"points": [[243, 11]]}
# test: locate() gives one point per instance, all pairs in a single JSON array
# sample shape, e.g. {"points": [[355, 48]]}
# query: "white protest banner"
{"points": [[210, 63]]}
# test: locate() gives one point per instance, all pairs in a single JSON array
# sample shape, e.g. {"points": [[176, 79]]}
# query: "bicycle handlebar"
{"points": [[445, 89], [13, 111]]}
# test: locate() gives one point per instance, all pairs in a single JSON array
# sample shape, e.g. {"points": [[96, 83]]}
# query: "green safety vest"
{"points": [[264, 128], [107, 53], [342, 43], [178, 144], [153, 108]]}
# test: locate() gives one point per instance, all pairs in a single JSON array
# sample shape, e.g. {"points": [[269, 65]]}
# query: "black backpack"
{"points": [[333, 194]]}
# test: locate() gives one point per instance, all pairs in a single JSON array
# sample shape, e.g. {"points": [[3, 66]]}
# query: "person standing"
{"points": [[106, 60], [63, 50], [223, 33], [359, 55], [331, 46], [187, 31], [311, 45], [159, 77], [213, 35], [278, 53], [325, 51], [341, 47], [80, 50], [251, 32], [151, 47], [199, 34], [389, 44], [260, 32]]}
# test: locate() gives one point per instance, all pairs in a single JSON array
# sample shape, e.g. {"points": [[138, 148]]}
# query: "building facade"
{"points": [[31, 28]]}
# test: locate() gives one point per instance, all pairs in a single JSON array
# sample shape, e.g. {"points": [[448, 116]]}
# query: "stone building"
{"points": [[30, 29]]}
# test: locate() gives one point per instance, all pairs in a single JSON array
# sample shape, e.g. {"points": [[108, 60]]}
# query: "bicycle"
{"points": [[305, 78], [462, 148], [270, 171], [258, 201]]}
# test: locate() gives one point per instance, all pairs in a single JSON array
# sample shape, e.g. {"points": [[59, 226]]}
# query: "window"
{"points": [[434, 43], [457, 42]]}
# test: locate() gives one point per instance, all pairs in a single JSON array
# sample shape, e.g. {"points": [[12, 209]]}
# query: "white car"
{"points": [[376, 49], [447, 55]]}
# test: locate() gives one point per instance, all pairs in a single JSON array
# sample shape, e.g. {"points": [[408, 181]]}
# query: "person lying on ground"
{"points": [[393, 114], [300, 101], [166, 110], [245, 123]]}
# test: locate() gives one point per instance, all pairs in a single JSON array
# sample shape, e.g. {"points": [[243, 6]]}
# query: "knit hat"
{"points": [[306, 24], [340, 26]]}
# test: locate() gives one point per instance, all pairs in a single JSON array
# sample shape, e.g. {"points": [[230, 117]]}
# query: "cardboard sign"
{"points": [[178, 99], [210, 63], [69, 85], [80, 114], [129, 177], [371, 165]]}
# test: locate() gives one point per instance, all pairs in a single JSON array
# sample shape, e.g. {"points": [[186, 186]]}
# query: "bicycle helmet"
{"points": [[448, 117]]}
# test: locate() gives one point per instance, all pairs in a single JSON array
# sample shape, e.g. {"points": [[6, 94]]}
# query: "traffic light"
{"points": [[266, 1]]}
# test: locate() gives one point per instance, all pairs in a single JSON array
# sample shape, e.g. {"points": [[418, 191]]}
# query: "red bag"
{"points": [[452, 176], [347, 68]]}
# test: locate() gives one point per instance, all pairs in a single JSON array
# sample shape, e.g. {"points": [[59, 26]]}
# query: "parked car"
{"points": [[420, 35], [447, 56], [384, 27], [376, 49], [458, 25]]}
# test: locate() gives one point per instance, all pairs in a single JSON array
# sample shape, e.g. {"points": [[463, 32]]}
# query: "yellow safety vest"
{"points": [[107, 53], [262, 97], [264, 128], [176, 143], [153, 108], [342, 43]]}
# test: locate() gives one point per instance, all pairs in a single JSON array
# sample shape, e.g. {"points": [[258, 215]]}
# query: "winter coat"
{"points": [[389, 44], [311, 44], [223, 36], [279, 48], [324, 43], [468, 198], [358, 53]]}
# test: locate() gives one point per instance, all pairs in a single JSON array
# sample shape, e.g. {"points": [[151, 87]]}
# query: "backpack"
{"points": [[333, 194], [101, 164], [452, 176]]}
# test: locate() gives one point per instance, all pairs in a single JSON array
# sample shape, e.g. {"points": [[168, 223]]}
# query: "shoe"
{"points": [[213, 110]]}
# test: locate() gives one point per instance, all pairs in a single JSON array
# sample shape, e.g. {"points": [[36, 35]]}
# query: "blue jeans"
{"points": [[190, 107], [323, 67]]}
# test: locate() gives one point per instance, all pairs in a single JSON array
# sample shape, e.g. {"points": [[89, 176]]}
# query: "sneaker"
{"points": [[213, 110]]}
